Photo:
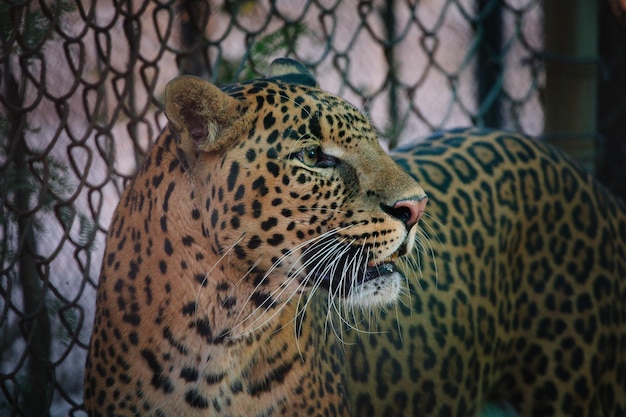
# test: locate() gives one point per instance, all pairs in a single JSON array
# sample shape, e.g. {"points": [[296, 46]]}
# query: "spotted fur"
{"points": [[251, 200], [267, 260], [521, 305]]}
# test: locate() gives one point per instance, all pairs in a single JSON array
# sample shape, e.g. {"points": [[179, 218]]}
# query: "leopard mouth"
{"points": [[380, 270], [340, 275], [343, 284]]}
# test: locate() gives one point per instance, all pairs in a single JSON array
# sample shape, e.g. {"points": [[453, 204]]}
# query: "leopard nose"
{"points": [[409, 211]]}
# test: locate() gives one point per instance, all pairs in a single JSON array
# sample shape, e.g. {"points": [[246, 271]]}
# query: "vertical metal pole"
{"points": [[489, 68], [192, 26], [611, 113], [389, 19], [571, 30]]}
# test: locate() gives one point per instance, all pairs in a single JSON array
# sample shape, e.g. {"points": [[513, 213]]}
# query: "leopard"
{"points": [[518, 306], [271, 258]]}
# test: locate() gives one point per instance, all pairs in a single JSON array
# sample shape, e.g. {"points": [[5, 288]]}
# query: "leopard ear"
{"points": [[202, 117]]}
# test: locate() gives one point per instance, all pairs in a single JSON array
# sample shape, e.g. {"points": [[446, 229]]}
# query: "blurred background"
{"points": [[81, 85]]}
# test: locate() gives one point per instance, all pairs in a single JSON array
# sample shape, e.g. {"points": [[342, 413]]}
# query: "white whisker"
{"points": [[280, 290]]}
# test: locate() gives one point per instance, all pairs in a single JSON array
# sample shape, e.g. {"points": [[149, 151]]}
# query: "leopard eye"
{"points": [[311, 155]]}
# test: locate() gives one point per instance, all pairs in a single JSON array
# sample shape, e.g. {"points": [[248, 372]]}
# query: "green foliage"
{"points": [[34, 27], [70, 320], [45, 186], [282, 41]]}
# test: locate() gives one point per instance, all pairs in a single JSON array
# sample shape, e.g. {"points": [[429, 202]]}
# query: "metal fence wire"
{"points": [[81, 83]]}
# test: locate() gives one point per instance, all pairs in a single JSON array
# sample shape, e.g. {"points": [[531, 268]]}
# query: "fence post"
{"points": [[571, 62], [393, 128], [611, 112], [489, 66]]}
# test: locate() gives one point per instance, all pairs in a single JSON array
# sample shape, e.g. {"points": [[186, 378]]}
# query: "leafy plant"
{"points": [[283, 40]]}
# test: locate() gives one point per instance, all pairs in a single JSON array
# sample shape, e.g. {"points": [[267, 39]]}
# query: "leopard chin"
{"points": [[376, 291]]}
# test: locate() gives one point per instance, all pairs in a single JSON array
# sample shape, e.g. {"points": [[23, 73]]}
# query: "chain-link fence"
{"points": [[81, 85]]}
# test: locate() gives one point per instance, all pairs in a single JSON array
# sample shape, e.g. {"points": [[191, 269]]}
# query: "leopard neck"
{"points": [[225, 339]]}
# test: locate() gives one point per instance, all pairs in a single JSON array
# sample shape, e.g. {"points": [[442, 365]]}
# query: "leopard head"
{"points": [[293, 192]]}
